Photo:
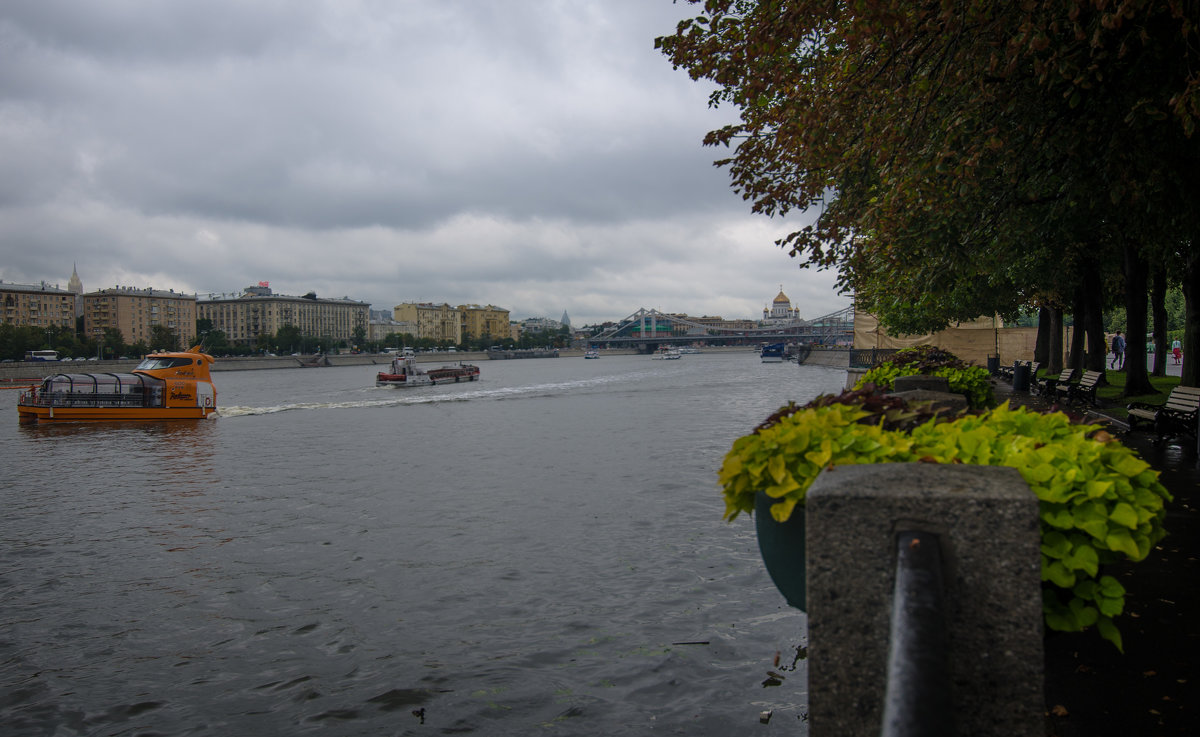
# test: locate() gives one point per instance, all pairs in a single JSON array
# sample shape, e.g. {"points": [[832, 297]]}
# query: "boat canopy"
{"points": [[101, 384]]}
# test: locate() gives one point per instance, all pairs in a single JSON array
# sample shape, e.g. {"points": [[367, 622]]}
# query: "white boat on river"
{"points": [[404, 372]]}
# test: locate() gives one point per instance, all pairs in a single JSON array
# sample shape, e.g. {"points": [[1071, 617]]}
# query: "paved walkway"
{"points": [[1172, 367], [1151, 689]]}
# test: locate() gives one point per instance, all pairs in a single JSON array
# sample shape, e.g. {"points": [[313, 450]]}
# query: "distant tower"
{"points": [[75, 286], [566, 321]]}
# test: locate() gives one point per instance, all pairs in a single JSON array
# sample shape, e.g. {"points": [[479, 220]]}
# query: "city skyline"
{"points": [[389, 306], [541, 155]]}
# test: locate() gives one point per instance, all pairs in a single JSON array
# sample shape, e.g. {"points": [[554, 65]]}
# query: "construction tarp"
{"points": [[971, 341]]}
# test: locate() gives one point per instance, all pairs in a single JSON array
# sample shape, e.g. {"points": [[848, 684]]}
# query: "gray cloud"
{"points": [[535, 154]]}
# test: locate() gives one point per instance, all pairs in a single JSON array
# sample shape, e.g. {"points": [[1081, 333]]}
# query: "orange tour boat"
{"points": [[164, 386]]}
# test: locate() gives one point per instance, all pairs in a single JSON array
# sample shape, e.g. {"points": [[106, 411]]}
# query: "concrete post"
{"points": [[987, 520]]}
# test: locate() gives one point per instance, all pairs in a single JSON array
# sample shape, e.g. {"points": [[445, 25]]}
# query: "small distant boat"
{"points": [[164, 386], [592, 353], [667, 354], [772, 352], [404, 372], [689, 350]]}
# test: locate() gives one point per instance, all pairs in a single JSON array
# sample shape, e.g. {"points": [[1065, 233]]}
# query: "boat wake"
{"points": [[394, 397]]}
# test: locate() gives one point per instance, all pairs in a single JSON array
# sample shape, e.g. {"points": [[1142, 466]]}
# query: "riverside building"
{"points": [[436, 322], [38, 306], [480, 322], [260, 312], [136, 312], [781, 311]]}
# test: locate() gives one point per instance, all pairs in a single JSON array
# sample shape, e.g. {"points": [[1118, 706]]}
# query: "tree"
{"points": [[289, 339], [16, 340], [959, 158], [217, 342], [163, 338], [112, 344]]}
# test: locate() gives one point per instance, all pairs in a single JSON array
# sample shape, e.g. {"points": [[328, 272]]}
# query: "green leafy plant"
{"points": [[1098, 501], [974, 382]]}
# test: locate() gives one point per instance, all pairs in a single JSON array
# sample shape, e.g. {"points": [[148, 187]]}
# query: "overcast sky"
{"points": [[538, 155]]}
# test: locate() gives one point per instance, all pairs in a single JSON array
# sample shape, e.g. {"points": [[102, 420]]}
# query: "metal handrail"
{"points": [[870, 357], [917, 701]]}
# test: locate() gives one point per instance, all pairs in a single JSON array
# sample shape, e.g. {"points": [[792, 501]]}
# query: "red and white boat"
{"points": [[404, 372]]}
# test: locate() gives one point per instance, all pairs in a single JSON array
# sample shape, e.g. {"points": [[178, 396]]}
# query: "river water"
{"points": [[541, 551]]}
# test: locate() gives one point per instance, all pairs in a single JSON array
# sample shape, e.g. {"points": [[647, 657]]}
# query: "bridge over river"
{"points": [[647, 329]]}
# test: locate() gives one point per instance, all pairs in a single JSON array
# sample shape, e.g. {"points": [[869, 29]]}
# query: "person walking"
{"points": [[1118, 349], [1177, 350]]}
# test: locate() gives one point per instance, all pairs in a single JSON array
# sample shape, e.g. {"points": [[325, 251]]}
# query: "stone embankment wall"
{"points": [[21, 372], [837, 358]]}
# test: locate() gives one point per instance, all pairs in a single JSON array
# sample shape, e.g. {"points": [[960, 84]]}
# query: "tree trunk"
{"points": [[1093, 321], [1137, 381], [1079, 329], [1158, 312], [1189, 373], [1055, 359], [1041, 349]]}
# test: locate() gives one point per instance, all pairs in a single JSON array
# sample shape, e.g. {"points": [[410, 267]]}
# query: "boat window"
{"points": [[70, 383], [151, 363]]}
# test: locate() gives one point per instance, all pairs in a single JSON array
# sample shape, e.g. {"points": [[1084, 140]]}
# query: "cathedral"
{"points": [[781, 311]]}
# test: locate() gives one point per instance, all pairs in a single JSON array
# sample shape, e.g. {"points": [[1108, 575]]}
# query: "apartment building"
{"points": [[38, 306], [437, 322], [135, 312], [381, 329], [490, 321], [258, 311]]}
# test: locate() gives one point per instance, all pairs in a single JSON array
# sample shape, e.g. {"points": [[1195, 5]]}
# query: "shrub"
{"points": [[1098, 501], [972, 381]]}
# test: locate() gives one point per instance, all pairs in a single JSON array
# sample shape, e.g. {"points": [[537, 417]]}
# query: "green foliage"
{"points": [[163, 338], [1114, 319], [958, 159], [1098, 501], [972, 381], [15, 340]]}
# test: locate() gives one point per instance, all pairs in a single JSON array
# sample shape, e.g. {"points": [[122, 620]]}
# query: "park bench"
{"points": [[1176, 416], [1085, 388], [1049, 386]]}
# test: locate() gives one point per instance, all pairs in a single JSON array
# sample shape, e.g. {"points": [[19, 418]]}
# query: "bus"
{"points": [[41, 355]]}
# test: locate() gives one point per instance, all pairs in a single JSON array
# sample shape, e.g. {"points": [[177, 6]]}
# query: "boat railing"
{"points": [[35, 398]]}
